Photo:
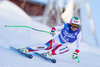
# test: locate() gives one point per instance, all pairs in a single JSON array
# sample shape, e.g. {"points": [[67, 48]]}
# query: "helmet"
{"points": [[75, 20]]}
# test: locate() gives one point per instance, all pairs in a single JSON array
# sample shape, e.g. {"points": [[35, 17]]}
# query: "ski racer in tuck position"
{"points": [[70, 33]]}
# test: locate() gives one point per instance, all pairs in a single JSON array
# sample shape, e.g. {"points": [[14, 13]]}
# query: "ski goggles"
{"points": [[75, 25]]}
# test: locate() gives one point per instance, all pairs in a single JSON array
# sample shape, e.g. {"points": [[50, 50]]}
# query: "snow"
{"points": [[10, 14]]}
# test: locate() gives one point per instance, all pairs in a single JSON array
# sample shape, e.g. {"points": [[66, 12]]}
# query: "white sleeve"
{"points": [[59, 27], [78, 40]]}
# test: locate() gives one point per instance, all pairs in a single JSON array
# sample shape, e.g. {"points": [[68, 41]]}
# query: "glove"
{"points": [[74, 55], [53, 31]]}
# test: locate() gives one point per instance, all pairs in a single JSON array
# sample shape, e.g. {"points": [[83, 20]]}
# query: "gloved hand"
{"points": [[74, 55], [52, 32]]}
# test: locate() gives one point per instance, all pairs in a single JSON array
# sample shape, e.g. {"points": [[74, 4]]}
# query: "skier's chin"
{"points": [[73, 30]]}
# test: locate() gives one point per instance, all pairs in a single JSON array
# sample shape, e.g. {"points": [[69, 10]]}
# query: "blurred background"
{"points": [[56, 12]]}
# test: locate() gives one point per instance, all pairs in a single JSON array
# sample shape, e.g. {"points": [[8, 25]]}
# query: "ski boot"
{"points": [[47, 54], [24, 50]]}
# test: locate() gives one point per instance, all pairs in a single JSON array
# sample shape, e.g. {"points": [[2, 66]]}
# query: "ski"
{"points": [[21, 53], [48, 59]]}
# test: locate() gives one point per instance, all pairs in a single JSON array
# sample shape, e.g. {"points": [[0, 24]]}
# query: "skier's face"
{"points": [[74, 27]]}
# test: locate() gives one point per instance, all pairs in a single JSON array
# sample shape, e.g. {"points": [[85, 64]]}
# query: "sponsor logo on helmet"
{"points": [[76, 21]]}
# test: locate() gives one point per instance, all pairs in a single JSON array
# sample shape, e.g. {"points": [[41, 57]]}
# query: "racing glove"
{"points": [[53, 31], [75, 54]]}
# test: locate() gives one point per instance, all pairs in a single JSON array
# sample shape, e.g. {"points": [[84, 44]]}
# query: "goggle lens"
{"points": [[74, 25]]}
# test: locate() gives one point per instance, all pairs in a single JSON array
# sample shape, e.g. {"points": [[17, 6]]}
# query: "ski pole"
{"points": [[29, 28], [78, 59]]}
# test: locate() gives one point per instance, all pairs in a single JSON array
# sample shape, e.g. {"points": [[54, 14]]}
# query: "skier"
{"points": [[70, 33]]}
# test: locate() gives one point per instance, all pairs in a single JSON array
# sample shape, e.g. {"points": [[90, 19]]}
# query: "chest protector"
{"points": [[69, 35]]}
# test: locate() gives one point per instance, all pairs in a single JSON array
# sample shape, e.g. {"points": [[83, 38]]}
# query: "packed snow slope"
{"points": [[10, 14]]}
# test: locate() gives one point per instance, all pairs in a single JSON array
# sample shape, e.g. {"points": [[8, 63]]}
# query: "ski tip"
{"points": [[30, 56], [53, 61]]}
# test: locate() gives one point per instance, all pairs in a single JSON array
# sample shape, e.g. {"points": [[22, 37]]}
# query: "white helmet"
{"points": [[75, 20]]}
